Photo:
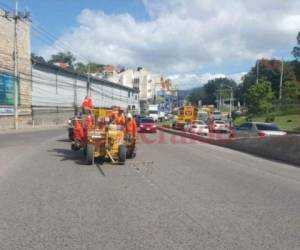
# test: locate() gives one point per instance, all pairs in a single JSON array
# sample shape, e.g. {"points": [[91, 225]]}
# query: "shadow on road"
{"points": [[77, 157], [69, 155], [98, 165], [64, 140]]}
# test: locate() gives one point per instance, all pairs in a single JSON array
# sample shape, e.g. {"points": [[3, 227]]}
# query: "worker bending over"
{"points": [[120, 117]]}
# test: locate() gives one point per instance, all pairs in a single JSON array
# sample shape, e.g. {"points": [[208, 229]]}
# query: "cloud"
{"points": [[188, 81], [186, 37]]}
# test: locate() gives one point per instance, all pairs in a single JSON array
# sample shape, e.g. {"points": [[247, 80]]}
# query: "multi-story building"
{"points": [[126, 78], [110, 73]]}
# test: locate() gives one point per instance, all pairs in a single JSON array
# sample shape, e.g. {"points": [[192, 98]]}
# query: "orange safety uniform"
{"points": [[131, 127], [120, 119], [78, 130], [89, 122], [113, 115], [87, 103]]}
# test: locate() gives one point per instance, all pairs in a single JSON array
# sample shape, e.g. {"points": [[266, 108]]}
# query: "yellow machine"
{"points": [[104, 140]]}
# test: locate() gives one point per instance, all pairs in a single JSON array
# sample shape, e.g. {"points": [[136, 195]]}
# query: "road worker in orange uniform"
{"points": [[120, 118], [131, 126], [113, 114], [87, 103]]}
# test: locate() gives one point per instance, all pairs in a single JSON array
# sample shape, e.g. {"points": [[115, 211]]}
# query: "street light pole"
{"points": [[231, 96]]}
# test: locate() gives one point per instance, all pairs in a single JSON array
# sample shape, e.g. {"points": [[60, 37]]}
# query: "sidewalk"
{"points": [[30, 129]]}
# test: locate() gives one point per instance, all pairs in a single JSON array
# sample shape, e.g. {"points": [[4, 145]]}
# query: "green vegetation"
{"points": [[211, 91], [70, 60], [296, 50], [259, 98], [259, 93]]}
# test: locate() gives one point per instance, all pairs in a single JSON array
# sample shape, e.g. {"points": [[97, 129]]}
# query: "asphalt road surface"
{"points": [[174, 195]]}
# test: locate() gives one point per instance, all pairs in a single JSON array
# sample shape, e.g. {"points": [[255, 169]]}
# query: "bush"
{"points": [[270, 118], [249, 118]]}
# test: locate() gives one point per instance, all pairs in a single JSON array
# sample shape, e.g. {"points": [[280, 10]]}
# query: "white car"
{"points": [[220, 126], [199, 127]]}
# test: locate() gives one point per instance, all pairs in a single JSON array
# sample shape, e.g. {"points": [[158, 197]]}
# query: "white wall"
{"points": [[53, 89]]}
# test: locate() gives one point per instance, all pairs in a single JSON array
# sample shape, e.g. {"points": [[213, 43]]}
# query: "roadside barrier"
{"points": [[279, 148]]}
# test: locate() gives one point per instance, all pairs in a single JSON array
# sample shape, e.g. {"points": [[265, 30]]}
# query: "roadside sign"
{"points": [[6, 111]]}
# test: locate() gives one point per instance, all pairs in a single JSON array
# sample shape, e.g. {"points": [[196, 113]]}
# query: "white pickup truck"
{"points": [[153, 112]]}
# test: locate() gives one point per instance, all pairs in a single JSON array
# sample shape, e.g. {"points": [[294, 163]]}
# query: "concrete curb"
{"points": [[284, 149]]}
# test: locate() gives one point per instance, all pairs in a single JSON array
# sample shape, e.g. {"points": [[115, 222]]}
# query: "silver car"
{"points": [[250, 129]]}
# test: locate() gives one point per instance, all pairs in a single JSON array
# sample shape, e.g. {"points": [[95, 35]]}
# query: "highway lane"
{"points": [[176, 194]]}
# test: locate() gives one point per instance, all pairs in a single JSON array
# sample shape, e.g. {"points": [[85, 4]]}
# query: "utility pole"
{"points": [[257, 71], [220, 99], [281, 79], [88, 81], [16, 90], [231, 97]]}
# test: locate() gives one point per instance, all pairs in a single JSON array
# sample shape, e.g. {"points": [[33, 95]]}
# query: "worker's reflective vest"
{"points": [[131, 127], [120, 119], [88, 103], [78, 130]]}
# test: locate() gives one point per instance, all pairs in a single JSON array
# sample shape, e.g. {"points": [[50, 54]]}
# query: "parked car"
{"points": [[147, 125], [258, 129], [199, 127], [219, 126]]}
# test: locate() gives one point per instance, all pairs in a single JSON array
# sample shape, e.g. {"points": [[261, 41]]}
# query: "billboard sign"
{"points": [[6, 94]]}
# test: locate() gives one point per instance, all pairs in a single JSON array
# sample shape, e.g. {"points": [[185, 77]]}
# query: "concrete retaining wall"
{"points": [[283, 148], [38, 119]]}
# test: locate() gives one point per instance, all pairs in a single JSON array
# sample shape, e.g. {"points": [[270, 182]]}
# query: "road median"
{"points": [[282, 148]]}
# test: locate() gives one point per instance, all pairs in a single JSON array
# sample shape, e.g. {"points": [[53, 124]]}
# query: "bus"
{"points": [[185, 114]]}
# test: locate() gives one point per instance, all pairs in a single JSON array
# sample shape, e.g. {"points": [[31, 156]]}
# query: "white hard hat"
{"points": [[129, 116]]}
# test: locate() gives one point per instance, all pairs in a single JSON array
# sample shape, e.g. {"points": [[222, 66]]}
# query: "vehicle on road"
{"points": [[202, 115], [153, 112], [199, 127], [100, 138], [186, 114], [138, 119], [217, 115], [147, 125], [249, 129], [219, 126]]}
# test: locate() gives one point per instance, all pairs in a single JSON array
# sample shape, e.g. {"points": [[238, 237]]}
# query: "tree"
{"points": [[216, 87], [63, 57], [37, 58], [296, 49], [269, 70], [211, 90], [259, 97], [80, 68], [290, 91], [196, 95], [95, 68]]}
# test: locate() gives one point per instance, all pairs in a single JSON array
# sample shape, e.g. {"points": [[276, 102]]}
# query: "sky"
{"points": [[190, 41]]}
